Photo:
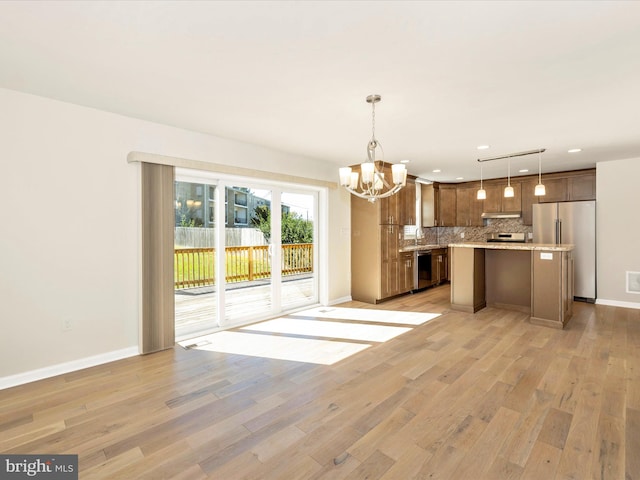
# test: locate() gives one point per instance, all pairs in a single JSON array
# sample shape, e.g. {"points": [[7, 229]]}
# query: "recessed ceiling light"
{"points": [[523, 170], [574, 150], [459, 178], [437, 170], [482, 147], [405, 161]]}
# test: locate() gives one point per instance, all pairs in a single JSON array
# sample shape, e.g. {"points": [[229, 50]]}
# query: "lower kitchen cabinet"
{"points": [[407, 269], [439, 265]]}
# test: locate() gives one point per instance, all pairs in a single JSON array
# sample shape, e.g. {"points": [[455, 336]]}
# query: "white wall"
{"points": [[69, 234], [618, 230]]}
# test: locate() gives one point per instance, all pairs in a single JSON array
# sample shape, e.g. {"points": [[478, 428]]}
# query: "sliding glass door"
{"points": [[245, 251], [298, 286], [249, 252], [194, 263]]}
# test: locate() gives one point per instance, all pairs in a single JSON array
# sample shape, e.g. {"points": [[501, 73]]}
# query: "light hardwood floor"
{"points": [[484, 396]]}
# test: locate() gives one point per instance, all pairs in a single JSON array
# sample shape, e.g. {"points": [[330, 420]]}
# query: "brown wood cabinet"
{"points": [[582, 187], [429, 197], [399, 209], [438, 205], [552, 284], [447, 204], [496, 201], [513, 204], [374, 252], [556, 190], [389, 210], [468, 207], [439, 265], [406, 267], [389, 247], [407, 202], [528, 188]]}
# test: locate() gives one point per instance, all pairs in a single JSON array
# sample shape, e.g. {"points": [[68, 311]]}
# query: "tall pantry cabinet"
{"points": [[378, 270]]}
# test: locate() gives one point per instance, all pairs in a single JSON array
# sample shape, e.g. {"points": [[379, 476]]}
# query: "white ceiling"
{"points": [[294, 75]]}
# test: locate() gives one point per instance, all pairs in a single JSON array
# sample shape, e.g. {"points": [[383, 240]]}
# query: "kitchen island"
{"points": [[531, 277]]}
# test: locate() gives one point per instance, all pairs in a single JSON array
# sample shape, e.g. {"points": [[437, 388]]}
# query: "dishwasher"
{"points": [[423, 277]]}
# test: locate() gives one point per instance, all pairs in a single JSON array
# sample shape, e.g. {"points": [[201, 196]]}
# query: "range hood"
{"points": [[501, 214]]}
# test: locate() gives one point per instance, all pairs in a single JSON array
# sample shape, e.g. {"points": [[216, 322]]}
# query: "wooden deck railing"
{"points": [[195, 267]]}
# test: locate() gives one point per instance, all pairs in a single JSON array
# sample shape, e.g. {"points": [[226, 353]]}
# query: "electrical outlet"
{"points": [[66, 325], [462, 235]]}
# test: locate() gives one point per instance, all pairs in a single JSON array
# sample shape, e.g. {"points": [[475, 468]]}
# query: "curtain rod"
{"points": [[519, 154]]}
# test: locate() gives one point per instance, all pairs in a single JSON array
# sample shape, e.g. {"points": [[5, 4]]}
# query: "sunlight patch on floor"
{"points": [[370, 315], [286, 342], [340, 330], [324, 352]]}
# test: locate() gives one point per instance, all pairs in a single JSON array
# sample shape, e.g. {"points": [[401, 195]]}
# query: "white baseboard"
{"points": [[340, 300], [617, 303], [61, 368]]}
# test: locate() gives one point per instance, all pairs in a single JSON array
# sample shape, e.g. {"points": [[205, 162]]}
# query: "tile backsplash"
{"points": [[446, 235]]}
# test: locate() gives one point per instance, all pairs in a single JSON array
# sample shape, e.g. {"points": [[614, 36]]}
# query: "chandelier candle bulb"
{"points": [[354, 180], [399, 174], [345, 176], [367, 172]]}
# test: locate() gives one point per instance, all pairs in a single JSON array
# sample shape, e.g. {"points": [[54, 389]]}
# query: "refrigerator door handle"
{"points": [[558, 231]]}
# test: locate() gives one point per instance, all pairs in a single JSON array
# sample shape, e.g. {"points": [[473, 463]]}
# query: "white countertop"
{"points": [[515, 246]]}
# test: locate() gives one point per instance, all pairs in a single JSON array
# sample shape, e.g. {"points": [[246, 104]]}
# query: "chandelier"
{"points": [[371, 183]]}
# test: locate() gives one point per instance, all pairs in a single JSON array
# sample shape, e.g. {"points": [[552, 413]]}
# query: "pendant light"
{"points": [[540, 190], [482, 193], [508, 190]]}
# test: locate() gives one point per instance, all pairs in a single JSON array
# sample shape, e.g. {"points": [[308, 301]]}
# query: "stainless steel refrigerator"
{"points": [[571, 222]]}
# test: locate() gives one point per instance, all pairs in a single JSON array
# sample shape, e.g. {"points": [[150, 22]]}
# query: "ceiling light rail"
{"points": [[508, 191], [511, 155]]}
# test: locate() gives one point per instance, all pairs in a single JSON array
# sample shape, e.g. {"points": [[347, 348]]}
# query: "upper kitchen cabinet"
{"points": [[582, 186], [407, 201], [468, 207], [556, 190], [513, 204], [569, 186], [389, 210], [447, 205], [399, 209], [496, 202], [528, 188], [429, 198], [438, 205]]}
